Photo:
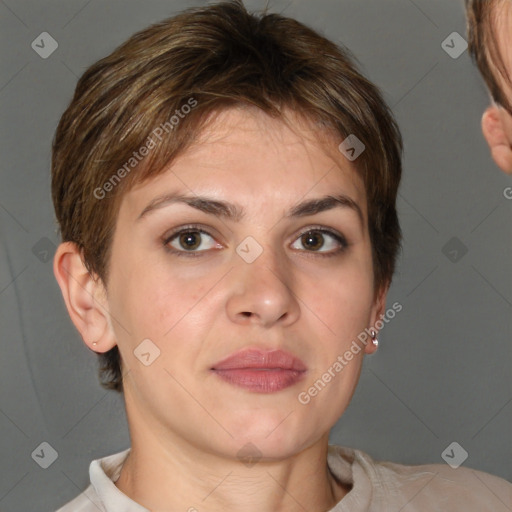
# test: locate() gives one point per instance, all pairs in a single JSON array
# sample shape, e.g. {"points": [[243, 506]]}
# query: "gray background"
{"points": [[443, 371]]}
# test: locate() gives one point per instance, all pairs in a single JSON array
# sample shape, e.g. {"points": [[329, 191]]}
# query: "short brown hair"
{"points": [[212, 57], [482, 19]]}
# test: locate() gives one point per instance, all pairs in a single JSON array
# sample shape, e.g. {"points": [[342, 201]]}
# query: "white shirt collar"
{"points": [[103, 474]]}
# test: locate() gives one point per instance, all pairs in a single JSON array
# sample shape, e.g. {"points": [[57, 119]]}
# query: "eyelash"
{"points": [[198, 229]]}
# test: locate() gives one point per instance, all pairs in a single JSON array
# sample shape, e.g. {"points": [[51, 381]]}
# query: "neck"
{"points": [[164, 474]]}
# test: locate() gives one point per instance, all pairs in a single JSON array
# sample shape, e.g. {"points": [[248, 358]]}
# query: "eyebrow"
{"points": [[235, 212]]}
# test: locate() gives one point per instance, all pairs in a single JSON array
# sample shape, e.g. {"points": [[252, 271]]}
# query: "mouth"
{"points": [[261, 372]]}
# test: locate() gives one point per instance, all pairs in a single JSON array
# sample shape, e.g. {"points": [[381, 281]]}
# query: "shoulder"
{"points": [[428, 487], [87, 501], [460, 489]]}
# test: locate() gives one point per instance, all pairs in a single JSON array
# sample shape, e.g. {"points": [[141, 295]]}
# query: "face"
{"points": [[230, 249]]}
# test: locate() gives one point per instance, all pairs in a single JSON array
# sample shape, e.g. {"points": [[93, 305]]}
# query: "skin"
{"points": [[186, 424], [497, 121]]}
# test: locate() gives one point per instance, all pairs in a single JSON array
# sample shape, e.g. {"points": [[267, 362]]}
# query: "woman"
{"points": [[225, 187]]}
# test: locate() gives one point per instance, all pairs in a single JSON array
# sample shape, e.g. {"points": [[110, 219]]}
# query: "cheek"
{"points": [[343, 297], [152, 299]]}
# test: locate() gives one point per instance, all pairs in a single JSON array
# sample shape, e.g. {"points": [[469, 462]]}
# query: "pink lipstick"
{"points": [[259, 371]]}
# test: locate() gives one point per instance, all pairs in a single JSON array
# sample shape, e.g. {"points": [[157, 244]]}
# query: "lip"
{"points": [[261, 371]]}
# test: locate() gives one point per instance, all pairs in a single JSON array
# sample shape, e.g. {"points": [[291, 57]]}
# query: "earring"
{"points": [[94, 343], [375, 341]]}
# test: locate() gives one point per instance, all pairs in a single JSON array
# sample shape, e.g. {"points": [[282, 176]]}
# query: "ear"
{"points": [[495, 134], [377, 314], [85, 298]]}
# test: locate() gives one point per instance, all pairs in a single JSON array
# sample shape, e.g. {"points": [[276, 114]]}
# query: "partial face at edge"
{"points": [[184, 278], [497, 121]]}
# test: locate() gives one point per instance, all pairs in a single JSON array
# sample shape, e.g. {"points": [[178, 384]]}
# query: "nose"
{"points": [[261, 293]]}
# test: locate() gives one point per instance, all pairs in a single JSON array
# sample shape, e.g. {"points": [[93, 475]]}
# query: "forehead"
{"points": [[243, 151], [244, 127]]}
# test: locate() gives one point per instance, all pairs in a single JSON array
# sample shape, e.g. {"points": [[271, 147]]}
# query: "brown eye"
{"points": [[190, 240], [323, 241], [312, 240]]}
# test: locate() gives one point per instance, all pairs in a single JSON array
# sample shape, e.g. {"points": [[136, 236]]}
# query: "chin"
{"points": [[274, 433]]}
